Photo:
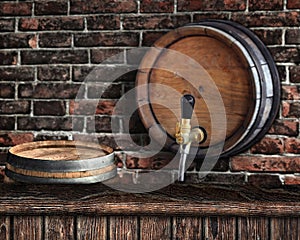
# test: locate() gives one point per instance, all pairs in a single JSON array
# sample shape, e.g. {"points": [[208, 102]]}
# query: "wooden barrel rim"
{"points": [[267, 79]]}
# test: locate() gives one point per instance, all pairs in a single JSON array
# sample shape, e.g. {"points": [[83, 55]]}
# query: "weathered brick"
{"points": [[45, 137], [267, 19], [51, 23], [99, 124], [53, 73], [154, 22], [292, 36], [8, 58], [282, 73], [103, 22], [286, 54], [290, 92], [55, 40], [265, 5], [111, 91], [52, 108], [268, 146], [104, 6], [7, 123], [294, 74], [265, 164], [48, 91], [15, 8], [7, 25], [7, 90], [149, 38], [11, 139], [79, 73], [17, 74], [107, 56], [264, 180], [291, 110], [49, 123], [292, 180], [106, 39], [91, 107], [213, 15], [195, 5], [215, 178], [54, 57], [293, 4], [154, 6], [292, 145], [12, 107], [270, 37], [285, 127], [51, 7]]}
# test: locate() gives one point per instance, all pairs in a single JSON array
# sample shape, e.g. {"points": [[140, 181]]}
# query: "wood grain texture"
{"points": [[253, 228], [92, 227], [4, 227], [28, 227], [155, 228], [220, 228], [285, 228], [59, 227], [187, 228], [123, 227]]}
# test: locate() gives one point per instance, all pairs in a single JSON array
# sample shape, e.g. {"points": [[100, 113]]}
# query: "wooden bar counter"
{"points": [[179, 211]]}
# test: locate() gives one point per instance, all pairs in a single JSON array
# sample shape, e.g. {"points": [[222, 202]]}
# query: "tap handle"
{"points": [[187, 106]]}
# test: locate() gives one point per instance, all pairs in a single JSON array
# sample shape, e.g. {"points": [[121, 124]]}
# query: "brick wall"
{"points": [[48, 48]]}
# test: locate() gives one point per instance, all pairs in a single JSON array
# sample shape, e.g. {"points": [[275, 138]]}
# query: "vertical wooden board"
{"points": [[123, 227], [220, 228], [253, 228], [285, 228], [59, 227], [91, 227], [155, 228], [187, 228], [4, 227], [28, 227]]}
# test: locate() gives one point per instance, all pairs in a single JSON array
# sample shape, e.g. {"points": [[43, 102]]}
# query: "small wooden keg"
{"points": [[60, 162], [230, 56]]}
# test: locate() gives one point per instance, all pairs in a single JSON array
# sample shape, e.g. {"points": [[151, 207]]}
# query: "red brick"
{"points": [[292, 145], [7, 123], [213, 15], [265, 163], [99, 124], [8, 58], [291, 110], [14, 107], [107, 56], [149, 38], [17, 74], [105, 22], [196, 5], [113, 91], [54, 57], [11, 139], [295, 74], [286, 54], [52, 108], [270, 37], [290, 92], [104, 6], [51, 23], [154, 6], [7, 25], [265, 5], [285, 127], [55, 40], [51, 7], [293, 4], [45, 137], [91, 107], [292, 36], [18, 40], [107, 39], [15, 9], [7, 90], [291, 180], [268, 146], [154, 21], [53, 73]]}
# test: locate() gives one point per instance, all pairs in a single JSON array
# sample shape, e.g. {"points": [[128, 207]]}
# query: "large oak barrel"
{"points": [[60, 162], [239, 65]]}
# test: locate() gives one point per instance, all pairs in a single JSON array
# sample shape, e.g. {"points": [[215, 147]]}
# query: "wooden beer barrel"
{"points": [[239, 65], [60, 162]]}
